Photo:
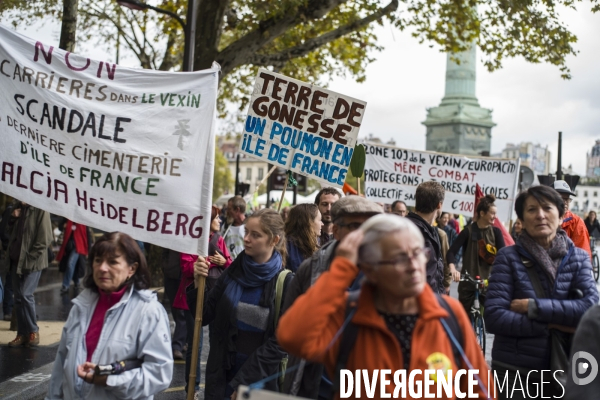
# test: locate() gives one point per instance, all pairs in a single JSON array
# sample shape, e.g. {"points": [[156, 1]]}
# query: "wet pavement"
{"points": [[177, 388], [50, 306], [27, 365], [17, 361]]}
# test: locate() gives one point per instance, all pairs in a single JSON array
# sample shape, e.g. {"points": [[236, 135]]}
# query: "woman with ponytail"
{"points": [[480, 241], [241, 310]]}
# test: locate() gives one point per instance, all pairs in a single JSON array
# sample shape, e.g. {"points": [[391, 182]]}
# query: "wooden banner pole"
{"points": [[196, 341], [282, 195]]}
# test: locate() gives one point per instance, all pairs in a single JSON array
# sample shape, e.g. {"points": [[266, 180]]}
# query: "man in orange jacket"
{"points": [[397, 314], [572, 224]]}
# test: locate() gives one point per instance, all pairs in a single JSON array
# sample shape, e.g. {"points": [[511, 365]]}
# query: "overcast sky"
{"points": [[530, 101]]}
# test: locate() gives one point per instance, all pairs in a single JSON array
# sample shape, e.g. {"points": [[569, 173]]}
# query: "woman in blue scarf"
{"points": [[241, 310]]}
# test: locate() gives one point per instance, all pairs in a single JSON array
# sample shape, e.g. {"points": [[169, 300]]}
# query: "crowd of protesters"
{"points": [[338, 284]]}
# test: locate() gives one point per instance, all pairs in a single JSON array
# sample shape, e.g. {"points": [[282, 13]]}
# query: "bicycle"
{"points": [[595, 260], [476, 313]]}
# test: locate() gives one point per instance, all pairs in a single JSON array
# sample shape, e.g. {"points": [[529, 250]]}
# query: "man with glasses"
{"points": [[572, 224], [347, 215]]}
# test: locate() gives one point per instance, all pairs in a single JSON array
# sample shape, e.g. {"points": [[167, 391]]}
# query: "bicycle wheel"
{"points": [[479, 328], [596, 267]]}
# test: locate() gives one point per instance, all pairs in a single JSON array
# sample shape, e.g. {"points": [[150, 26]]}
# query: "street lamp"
{"points": [[189, 28]]}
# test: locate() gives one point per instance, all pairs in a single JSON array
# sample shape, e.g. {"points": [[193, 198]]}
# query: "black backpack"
{"points": [[351, 332]]}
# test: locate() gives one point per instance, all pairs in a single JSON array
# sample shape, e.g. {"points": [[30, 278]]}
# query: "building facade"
{"points": [[593, 162], [252, 171], [587, 199], [459, 125], [534, 156]]}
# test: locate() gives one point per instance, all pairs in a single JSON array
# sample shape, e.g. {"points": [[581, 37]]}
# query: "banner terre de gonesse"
{"points": [[300, 101]]}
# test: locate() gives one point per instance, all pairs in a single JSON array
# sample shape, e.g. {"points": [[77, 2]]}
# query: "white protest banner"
{"points": [[302, 127], [393, 174], [115, 148]]}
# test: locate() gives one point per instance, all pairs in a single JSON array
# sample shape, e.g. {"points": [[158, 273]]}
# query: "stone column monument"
{"points": [[459, 125]]}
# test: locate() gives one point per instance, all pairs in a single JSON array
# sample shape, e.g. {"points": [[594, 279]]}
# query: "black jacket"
{"points": [[435, 265], [265, 360], [4, 234], [171, 264], [593, 226], [462, 241], [522, 340], [306, 380]]}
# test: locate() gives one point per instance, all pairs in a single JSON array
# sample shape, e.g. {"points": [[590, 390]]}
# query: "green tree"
{"points": [[222, 180], [314, 40]]}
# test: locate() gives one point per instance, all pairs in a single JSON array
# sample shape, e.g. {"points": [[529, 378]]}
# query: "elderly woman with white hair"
{"points": [[395, 321]]}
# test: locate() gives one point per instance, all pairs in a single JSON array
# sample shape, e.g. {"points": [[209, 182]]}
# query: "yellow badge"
{"points": [[491, 249], [438, 361]]}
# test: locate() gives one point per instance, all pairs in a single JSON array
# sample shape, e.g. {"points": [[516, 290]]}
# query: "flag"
{"points": [[347, 189], [508, 240]]}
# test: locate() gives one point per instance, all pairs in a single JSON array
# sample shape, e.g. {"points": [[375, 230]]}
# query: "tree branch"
{"points": [[130, 40], [142, 56], [314, 43], [169, 59], [238, 52], [209, 26]]}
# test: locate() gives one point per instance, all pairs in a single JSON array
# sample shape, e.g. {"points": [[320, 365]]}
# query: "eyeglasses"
{"points": [[352, 226], [403, 260]]}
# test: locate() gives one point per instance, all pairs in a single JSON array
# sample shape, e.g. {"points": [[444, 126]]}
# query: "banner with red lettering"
{"points": [[115, 148], [302, 127], [393, 173]]}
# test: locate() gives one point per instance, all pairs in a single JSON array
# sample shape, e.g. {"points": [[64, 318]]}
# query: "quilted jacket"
{"points": [[522, 341]]}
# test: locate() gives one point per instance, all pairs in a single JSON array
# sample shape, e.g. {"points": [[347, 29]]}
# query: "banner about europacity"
{"points": [[393, 173], [302, 127], [115, 148]]}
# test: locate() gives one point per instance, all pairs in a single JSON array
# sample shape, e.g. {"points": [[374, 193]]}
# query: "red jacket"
{"points": [[80, 236], [310, 324], [187, 273], [577, 231]]}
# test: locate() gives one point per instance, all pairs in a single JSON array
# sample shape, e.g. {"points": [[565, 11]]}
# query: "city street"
{"points": [[24, 371], [391, 139]]}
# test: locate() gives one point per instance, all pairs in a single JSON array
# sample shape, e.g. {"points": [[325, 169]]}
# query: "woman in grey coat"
{"points": [[114, 319]]}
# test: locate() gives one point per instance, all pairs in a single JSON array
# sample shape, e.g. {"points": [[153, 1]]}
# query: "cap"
{"points": [[354, 205], [563, 187]]}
